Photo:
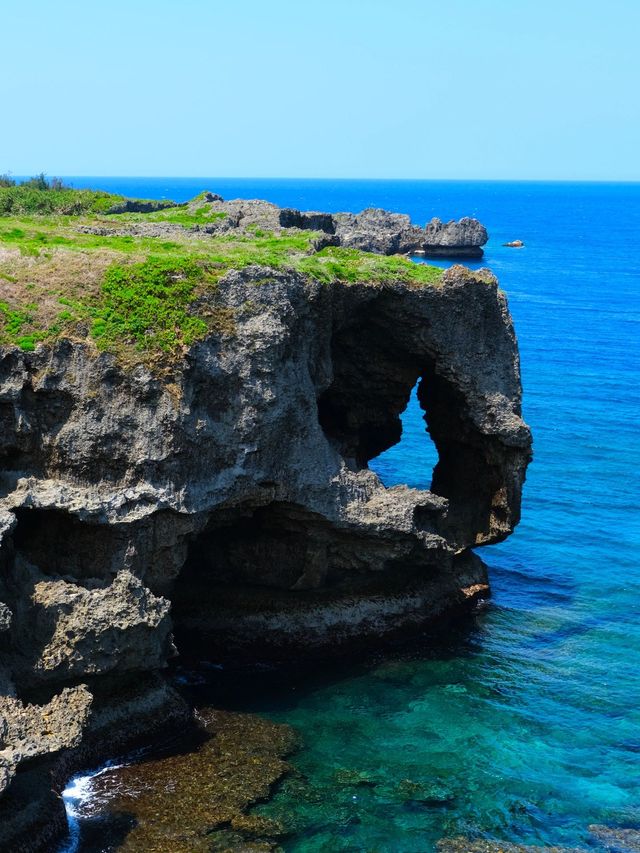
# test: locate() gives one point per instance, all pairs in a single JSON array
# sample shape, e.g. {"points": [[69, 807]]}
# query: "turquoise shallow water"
{"points": [[528, 728]]}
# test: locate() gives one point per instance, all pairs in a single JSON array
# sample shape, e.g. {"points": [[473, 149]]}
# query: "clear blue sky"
{"points": [[337, 88]]}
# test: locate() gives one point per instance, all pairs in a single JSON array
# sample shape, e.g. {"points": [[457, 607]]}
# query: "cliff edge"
{"points": [[187, 413]]}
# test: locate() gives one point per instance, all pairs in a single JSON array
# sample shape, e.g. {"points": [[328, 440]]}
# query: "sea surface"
{"points": [[525, 728]]}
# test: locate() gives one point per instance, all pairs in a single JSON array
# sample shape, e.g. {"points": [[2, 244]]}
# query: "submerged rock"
{"points": [[348, 778], [466, 845], [429, 794], [617, 839], [195, 797]]}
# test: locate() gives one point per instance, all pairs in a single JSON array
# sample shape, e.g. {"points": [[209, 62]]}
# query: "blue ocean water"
{"points": [[527, 730]]}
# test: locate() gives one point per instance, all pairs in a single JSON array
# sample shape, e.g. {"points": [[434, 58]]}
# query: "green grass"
{"points": [[147, 298], [147, 305], [350, 265], [195, 216], [23, 199], [12, 326]]}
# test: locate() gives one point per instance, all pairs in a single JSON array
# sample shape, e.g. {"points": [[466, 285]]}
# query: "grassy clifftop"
{"points": [[143, 285]]}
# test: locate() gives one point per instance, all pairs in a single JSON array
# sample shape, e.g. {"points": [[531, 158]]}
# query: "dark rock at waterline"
{"points": [[124, 714], [376, 230]]}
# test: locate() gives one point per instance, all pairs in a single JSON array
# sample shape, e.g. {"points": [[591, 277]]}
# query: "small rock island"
{"points": [[190, 396]]}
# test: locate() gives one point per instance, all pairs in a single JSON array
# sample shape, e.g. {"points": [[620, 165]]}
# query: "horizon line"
{"points": [[311, 178]]}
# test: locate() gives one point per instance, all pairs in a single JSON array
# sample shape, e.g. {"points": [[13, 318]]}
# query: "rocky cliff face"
{"points": [[228, 506]]}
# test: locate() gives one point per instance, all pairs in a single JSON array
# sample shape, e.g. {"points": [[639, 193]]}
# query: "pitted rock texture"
{"points": [[89, 628], [464, 238], [466, 845], [28, 731], [237, 489], [376, 230]]}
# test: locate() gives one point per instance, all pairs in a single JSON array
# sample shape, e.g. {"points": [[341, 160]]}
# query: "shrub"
{"points": [[28, 199], [147, 304], [38, 182], [12, 323]]}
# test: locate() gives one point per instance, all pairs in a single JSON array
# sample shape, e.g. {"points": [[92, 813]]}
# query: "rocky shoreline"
{"points": [[372, 230], [224, 501]]}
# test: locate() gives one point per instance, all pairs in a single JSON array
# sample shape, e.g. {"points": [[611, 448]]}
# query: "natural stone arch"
{"points": [[384, 344]]}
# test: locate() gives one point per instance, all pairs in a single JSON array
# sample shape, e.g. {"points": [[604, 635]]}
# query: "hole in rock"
{"points": [[253, 570], [374, 372], [411, 461], [60, 544], [373, 375], [278, 546]]}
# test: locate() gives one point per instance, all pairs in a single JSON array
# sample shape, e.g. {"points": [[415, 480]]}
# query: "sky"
{"points": [[488, 89]]}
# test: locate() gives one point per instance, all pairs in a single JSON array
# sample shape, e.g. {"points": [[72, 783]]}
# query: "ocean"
{"points": [[526, 728]]}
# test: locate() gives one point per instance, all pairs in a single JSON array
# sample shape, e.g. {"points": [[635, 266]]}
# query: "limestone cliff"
{"points": [[227, 505]]}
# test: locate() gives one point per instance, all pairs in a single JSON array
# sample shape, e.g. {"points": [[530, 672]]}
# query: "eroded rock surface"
{"points": [[230, 502], [372, 230], [87, 629], [464, 238]]}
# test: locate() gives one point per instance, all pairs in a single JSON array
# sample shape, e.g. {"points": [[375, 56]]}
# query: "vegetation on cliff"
{"points": [[41, 195], [143, 285]]}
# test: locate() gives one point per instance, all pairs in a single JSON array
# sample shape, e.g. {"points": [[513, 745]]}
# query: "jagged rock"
{"points": [[376, 230], [33, 730], [372, 230], [462, 239], [64, 629], [124, 714], [254, 474], [29, 731]]}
